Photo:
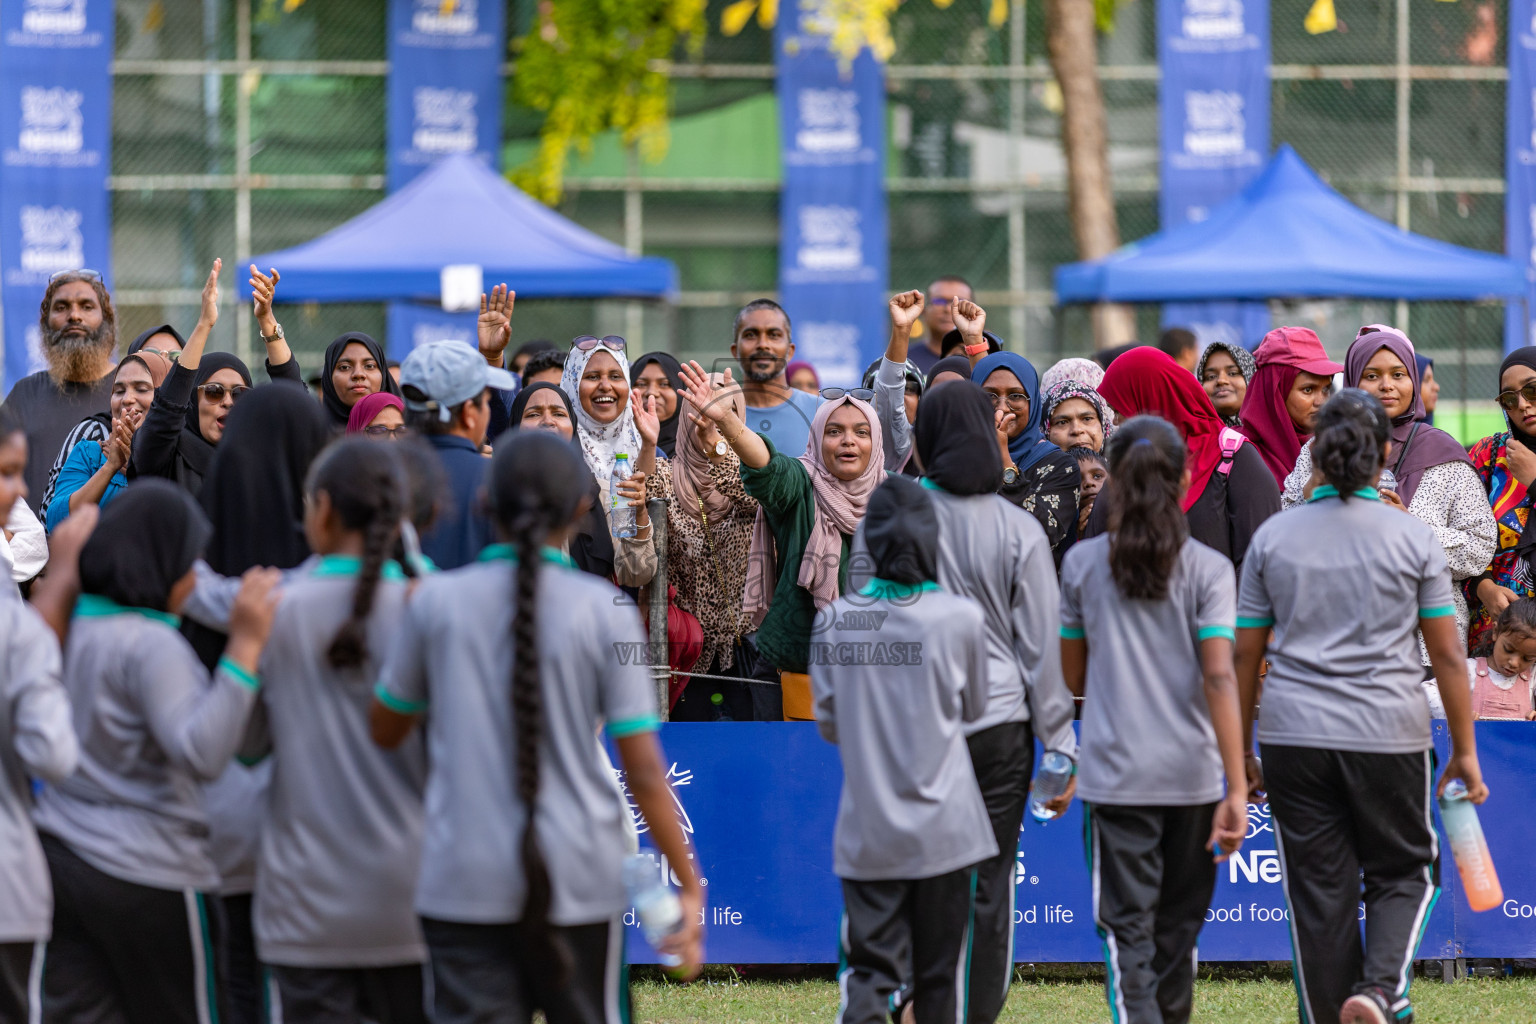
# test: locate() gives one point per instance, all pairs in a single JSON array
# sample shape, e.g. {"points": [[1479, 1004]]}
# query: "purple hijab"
{"points": [[1430, 446]]}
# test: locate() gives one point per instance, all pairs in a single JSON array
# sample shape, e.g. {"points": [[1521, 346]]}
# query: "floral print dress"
{"points": [[1511, 509]]}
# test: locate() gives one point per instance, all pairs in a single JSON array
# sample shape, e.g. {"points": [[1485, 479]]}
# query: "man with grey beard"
{"points": [[79, 332]]}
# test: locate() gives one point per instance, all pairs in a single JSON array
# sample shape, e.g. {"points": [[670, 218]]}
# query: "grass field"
{"points": [[1067, 996]]}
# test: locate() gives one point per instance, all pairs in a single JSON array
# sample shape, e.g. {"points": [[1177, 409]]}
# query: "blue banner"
{"points": [[1520, 168], [55, 134], [1214, 130], [757, 803], [444, 97], [833, 249], [411, 325]]}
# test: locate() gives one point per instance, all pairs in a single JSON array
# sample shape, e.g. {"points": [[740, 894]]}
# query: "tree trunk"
{"points": [[1073, 43]]}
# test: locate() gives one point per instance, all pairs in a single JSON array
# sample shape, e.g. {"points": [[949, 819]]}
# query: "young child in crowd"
{"points": [[1501, 683], [1147, 626], [515, 661], [1093, 471], [911, 823]]}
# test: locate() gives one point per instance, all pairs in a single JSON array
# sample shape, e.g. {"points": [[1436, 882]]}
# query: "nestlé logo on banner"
{"points": [[53, 17], [50, 240], [1214, 125], [830, 238], [1213, 19], [445, 121], [829, 121], [446, 17], [51, 122]]}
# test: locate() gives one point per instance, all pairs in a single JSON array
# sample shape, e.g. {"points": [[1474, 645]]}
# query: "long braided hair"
{"points": [[535, 488], [364, 481]]}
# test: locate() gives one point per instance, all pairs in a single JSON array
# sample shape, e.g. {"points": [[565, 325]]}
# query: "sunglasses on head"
{"points": [[215, 392], [586, 343], [862, 394], [84, 275], [1511, 399]]}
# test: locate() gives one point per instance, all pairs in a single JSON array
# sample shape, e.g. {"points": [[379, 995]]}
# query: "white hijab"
{"points": [[600, 442]]}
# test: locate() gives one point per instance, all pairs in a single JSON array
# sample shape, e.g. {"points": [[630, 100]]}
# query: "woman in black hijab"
{"points": [[1510, 576], [254, 491], [661, 382], [957, 365], [546, 406], [143, 545], [956, 439], [355, 367], [901, 531], [187, 419]]}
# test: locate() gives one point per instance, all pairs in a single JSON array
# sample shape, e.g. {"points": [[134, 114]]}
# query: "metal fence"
{"points": [[241, 128]]}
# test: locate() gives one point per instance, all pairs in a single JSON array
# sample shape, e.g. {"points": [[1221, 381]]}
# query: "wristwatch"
{"points": [[721, 447], [1010, 476], [276, 335]]}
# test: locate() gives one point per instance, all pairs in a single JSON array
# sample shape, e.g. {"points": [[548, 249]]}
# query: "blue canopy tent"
{"points": [[1289, 235], [461, 212]]}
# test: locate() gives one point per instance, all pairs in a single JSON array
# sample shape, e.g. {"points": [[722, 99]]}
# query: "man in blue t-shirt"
{"points": [[763, 347]]}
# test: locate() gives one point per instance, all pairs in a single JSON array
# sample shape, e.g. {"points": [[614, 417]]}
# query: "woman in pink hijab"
{"points": [[379, 416], [809, 508]]}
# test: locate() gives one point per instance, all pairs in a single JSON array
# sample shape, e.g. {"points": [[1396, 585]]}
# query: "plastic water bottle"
{"points": [[657, 907], [1469, 849], [1388, 482], [1050, 782], [621, 516]]}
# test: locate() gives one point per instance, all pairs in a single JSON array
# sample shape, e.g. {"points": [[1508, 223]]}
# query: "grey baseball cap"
{"points": [[448, 373]]}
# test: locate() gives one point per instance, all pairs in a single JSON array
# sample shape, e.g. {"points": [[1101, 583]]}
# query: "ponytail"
{"points": [[366, 489], [536, 486], [1352, 432], [1146, 520]]}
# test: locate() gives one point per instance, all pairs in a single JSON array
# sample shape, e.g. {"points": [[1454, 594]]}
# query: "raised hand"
{"points": [[208, 315], [905, 309], [646, 420], [701, 392], [970, 319], [263, 288], [494, 327]]}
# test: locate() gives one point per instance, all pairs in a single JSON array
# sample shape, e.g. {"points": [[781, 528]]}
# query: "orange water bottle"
{"points": [[1469, 848]]}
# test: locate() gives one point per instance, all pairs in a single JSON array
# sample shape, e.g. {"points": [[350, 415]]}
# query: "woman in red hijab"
{"points": [[1293, 380], [1230, 491]]}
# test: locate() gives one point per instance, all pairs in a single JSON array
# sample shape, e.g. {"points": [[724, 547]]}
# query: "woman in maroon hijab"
{"points": [[1435, 479], [1293, 380]]}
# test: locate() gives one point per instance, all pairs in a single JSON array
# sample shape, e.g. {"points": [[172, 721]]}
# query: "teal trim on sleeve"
{"points": [[1217, 632], [1437, 613], [94, 606], [890, 590], [927, 481], [1073, 633], [239, 674], [396, 704], [1247, 623], [633, 726]]}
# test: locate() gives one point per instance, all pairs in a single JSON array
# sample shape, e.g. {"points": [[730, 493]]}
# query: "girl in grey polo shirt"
{"points": [[1336, 588], [1146, 637], [134, 933], [519, 892], [341, 841]]}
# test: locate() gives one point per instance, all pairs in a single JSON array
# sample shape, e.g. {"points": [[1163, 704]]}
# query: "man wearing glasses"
{"points": [[938, 318], [78, 328]]}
